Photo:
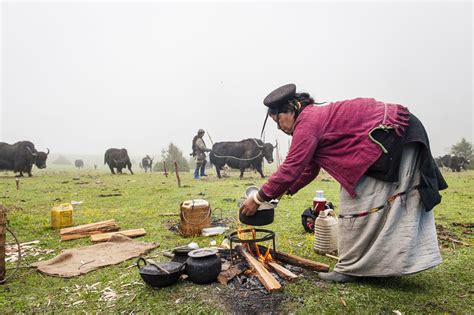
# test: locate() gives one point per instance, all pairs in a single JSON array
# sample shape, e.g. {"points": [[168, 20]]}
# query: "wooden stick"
{"points": [[89, 227], [225, 276], [296, 260], [3, 223], [447, 238], [168, 214], [332, 256], [282, 271], [164, 168], [177, 174], [265, 277], [106, 236]]}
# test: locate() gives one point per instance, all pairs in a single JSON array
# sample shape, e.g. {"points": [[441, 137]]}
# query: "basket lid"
{"points": [[195, 203]]}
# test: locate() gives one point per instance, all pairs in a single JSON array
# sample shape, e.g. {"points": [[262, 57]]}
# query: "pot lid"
{"points": [[150, 269], [203, 252]]}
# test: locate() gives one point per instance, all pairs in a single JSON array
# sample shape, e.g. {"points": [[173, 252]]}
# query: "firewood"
{"points": [[168, 214], [106, 236], [296, 260], [282, 271], [225, 276], [265, 277], [97, 226], [69, 237]]}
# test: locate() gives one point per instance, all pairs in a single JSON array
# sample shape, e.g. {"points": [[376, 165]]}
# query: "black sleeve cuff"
{"points": [[262, 197]]}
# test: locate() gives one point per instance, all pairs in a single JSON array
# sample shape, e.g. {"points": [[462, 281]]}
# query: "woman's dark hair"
{"points": [[303, 98]]}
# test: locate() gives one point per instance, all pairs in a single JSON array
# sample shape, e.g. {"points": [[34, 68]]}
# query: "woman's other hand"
{"points": [[249, 207]]}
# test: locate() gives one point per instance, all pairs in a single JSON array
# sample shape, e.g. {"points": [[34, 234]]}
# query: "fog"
{"points": [[79, 78]]}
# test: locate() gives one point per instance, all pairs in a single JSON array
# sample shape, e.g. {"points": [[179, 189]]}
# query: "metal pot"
{"points": [[203, 265], [265, 213], [261, 217], [160, 274]]}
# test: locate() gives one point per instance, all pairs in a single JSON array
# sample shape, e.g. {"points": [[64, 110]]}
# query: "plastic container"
{"points": [[325, 233], [319, 202], [213, 230], [61, 216]]}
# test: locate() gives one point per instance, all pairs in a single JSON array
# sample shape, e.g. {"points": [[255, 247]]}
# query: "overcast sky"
{"points": [[83, 77]]}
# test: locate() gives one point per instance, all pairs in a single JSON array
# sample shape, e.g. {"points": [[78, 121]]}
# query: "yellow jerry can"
{"points": [[61, 216]]}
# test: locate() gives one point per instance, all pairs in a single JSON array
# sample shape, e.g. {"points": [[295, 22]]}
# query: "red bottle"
{"points": [[319, 202]]}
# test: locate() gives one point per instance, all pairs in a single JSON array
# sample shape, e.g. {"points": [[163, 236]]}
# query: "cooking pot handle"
{"points": [[139, 260]]}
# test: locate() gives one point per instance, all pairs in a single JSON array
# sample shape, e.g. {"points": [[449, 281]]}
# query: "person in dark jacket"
{"points": [[199, 152]]}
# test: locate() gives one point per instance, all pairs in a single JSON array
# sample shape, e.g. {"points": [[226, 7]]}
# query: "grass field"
{"points": [[445, 289]]}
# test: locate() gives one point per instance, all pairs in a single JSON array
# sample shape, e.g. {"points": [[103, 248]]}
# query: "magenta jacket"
{"points": [[334, 137]]}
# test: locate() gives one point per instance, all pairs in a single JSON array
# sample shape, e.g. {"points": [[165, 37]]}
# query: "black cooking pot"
{"points": [[160, 274], [203, 265], [261, 217]]}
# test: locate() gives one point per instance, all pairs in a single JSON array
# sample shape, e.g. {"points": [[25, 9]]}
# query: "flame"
{"points": [[265, 258]]}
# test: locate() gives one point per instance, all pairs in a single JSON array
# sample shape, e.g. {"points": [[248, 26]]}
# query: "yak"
{"points": [[248, 153], [119, 159], [147, 163], [79, 163], [20, 157], [453, 162]]}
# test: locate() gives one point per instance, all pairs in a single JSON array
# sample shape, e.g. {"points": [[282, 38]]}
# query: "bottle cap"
{"points": [[319, 194]]}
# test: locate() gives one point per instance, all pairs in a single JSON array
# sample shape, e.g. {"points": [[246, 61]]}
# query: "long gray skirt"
{"points": [[397, 240]]}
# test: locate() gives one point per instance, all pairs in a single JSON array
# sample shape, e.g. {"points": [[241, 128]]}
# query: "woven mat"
{"points": [[78, 261]]}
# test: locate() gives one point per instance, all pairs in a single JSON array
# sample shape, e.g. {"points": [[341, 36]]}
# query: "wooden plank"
{"points": [[3, 223], [89, 227], [68, 237], [282, 271], [265, 277], [296, 260], [225, 276], [106, 236]]}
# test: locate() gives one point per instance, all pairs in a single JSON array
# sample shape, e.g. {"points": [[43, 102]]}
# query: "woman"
{"points": [[380, 155]]}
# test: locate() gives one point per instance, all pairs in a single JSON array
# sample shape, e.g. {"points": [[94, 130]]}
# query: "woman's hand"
{"points": [[249, 207]]}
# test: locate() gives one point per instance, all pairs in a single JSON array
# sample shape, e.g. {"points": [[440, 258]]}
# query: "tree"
{"points": [[462, 148], [173, 153], [61, 160]]}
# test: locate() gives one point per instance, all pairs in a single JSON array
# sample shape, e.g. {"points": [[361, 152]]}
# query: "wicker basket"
{"points": [[195, 216]]}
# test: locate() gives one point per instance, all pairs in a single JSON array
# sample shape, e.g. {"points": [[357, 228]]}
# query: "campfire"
{"points": [[249, 257]]}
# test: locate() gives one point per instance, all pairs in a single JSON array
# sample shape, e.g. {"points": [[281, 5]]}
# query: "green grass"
{"points": [[447, 288]]}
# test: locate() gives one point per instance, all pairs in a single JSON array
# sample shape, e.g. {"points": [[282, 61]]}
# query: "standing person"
{"points": [[380, 155], [199, 152]]}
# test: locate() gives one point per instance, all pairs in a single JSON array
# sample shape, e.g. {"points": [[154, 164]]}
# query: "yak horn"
{"points": [[33, 154], [48, 151]]}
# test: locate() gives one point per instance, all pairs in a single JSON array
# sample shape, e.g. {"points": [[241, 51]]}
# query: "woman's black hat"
{"points": [[280, 96]]}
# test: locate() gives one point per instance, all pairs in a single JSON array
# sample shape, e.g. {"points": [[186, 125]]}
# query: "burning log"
{"points": [[225, 276], [282, 271], [296, 260], [265, 277]]}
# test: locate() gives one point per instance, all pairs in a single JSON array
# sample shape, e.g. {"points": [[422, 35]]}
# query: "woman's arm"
{"points": [[298, 167]]}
